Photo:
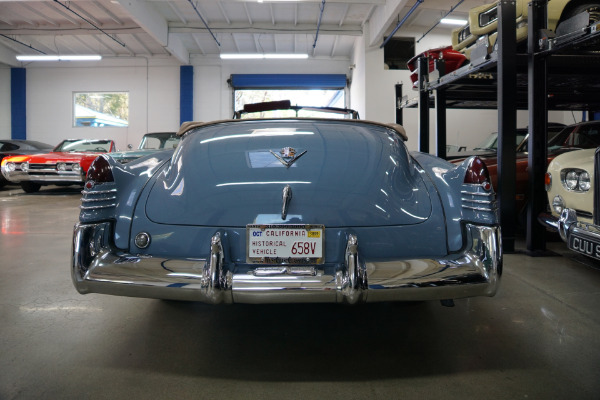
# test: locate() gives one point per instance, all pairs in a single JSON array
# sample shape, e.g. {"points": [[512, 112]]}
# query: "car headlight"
{"points": [[464, 34], [571, 180], [25, 166], [558, 204], [584, 181], [489, 16], [61, 166], [576, 180], [76, 167], [10, 166]]}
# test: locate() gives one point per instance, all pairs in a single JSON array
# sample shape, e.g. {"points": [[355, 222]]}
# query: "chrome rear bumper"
{"points": [[97, 267]]}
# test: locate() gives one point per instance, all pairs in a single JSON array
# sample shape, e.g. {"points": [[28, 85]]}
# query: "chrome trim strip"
{"points": [[82, 207], [98, 267], [479, 201], [286, 197], [91, 192], [489, 194], [83, 199], [490, 209]]}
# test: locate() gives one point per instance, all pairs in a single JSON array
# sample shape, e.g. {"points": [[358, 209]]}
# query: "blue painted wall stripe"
{"points": [[186, 93], [288, 81], [18, 109]]}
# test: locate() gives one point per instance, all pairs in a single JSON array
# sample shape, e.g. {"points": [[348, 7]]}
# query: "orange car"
{"points": [[67, 164]]}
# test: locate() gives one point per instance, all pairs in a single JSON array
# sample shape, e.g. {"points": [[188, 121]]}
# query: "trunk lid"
{"points": [[346, 173]]}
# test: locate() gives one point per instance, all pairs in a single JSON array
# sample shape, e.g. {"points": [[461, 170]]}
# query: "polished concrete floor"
{"points": [[539, 338]]}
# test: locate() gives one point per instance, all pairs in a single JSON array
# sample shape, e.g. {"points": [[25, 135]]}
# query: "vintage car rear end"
{"points": [[288, 210], [573, 194]]}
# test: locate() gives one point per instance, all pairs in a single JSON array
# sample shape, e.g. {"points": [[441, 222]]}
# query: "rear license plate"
{"points": [[584, 245], [281, 244]]}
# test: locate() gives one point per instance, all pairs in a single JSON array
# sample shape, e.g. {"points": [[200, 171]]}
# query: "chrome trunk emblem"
{"points": [[288, 156], [287, 197]]}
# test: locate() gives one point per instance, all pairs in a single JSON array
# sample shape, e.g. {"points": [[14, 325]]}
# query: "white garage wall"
{"points": [[153, 99], [153, 89], [4, 103]]}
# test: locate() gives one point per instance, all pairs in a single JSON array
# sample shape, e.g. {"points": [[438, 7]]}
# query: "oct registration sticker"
{"points": [[274, 244]]}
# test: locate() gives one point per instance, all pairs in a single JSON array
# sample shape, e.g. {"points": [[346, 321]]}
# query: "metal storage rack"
{"points": [[563, 70]]}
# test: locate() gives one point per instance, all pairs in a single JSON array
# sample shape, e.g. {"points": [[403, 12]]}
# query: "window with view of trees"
{"points": [[101, 109], [314, 97]]}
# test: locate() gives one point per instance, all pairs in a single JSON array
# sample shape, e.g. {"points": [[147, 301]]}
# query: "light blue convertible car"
{"points": [[288, 210]]}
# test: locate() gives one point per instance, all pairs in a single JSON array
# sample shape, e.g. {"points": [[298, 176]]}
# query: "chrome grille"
{"points": [[48, 167]]}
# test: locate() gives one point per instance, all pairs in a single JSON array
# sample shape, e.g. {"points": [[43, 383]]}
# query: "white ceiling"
{"points": [[175, 28]]}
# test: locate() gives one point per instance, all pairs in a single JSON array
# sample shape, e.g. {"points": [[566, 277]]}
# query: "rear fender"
{"points": [[462, 202], [116, 200]]}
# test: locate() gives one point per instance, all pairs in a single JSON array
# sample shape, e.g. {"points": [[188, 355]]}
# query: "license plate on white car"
{"points": [[584, 245], [282, 244]]}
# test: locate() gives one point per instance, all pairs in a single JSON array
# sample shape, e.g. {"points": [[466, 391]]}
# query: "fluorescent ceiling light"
{"points": [[236, 56], [60, 58], [296, 56], [451, 21]]}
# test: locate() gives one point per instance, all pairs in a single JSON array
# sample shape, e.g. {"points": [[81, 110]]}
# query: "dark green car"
{"points": [[151, 143]]}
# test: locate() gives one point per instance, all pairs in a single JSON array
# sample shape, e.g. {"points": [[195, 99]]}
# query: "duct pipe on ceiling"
{"points": [[408, 14]]}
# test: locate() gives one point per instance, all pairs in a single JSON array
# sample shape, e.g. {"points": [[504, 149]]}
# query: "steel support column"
{"points": [[423, 144], [440, 111], [538, 128], [399, 109], [507, 120]]}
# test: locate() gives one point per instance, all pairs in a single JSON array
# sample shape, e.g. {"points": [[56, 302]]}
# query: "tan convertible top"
{"points": [[187, 126]]}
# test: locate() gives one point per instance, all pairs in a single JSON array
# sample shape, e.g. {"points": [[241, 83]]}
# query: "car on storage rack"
{"points": [[66, 164], [572, 186], [12, 147], [583, 135], [483, 22], [286, 209], [453, 60], [151, 143]]}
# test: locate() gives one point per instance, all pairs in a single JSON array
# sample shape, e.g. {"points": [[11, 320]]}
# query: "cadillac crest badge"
{"points": [[288, 156]]}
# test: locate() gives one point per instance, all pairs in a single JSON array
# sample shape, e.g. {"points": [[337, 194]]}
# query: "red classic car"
{"points": [[454, 60], [584, 135], [67, 164]]}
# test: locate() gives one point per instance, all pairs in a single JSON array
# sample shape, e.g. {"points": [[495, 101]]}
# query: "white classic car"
{"points": [[571, 193]]}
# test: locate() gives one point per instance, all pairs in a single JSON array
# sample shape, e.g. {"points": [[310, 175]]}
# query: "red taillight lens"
{"points": [[477, 174], [100, 171]]}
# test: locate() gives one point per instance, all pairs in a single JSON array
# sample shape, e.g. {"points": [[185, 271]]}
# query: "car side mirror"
{"points": [[129, 146]]}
